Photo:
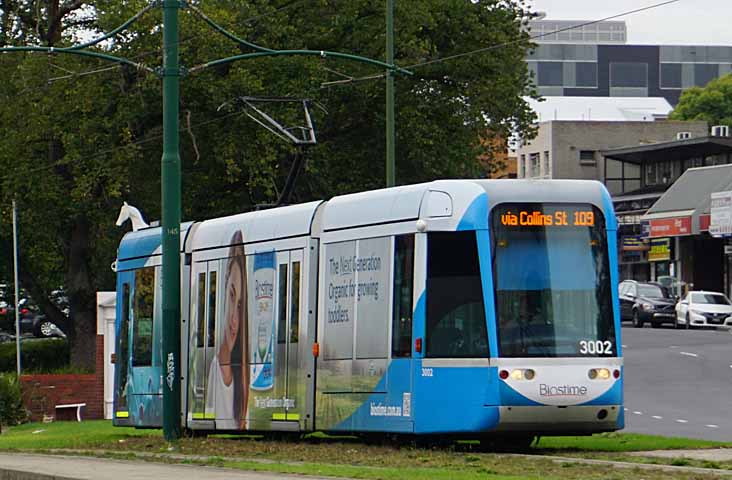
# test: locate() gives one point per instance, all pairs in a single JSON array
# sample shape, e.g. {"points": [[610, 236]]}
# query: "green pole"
{"points": [[390, 130], [171, 223]]}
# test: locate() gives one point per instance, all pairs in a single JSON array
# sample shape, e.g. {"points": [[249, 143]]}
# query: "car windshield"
{"points": [[650, 291], [709, 298]]}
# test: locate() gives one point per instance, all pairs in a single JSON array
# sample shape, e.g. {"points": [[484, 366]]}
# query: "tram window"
{"points": [[211, 310], [123, 354], [456, 324], [401, 337], [295, 303], [282, 305], [142, 326], [201, 311]]}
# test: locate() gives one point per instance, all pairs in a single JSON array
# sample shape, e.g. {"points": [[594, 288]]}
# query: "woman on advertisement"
{"points": [[228, 377]]}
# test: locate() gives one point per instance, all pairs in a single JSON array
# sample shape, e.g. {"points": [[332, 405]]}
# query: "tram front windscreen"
{"points": [[552, 281]]}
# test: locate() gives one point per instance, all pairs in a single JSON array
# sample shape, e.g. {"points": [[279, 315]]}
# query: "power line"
{"points": [[117, 149], [533, 37], [504, 44]]}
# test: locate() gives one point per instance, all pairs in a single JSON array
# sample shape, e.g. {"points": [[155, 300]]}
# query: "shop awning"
{"points": [[675, 151], [684, 208]]}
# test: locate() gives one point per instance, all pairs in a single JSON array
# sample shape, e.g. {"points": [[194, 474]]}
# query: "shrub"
{"points": [[36, 356], [12, 411]]}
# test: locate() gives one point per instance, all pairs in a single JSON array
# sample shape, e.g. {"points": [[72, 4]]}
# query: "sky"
{"points": [[686, 22]]}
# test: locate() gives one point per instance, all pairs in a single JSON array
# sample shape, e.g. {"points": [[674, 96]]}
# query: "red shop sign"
{"points": [[670, 227]]}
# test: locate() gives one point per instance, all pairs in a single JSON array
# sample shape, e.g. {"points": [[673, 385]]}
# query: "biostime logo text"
{"points": [[562, 390]]}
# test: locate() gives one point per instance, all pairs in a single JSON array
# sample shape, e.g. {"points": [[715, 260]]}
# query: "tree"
{"points": [[81, 137], [712, 103]]}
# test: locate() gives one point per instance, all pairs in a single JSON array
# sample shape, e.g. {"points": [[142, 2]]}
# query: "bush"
{"points": [[36, 356], [12, 411]]}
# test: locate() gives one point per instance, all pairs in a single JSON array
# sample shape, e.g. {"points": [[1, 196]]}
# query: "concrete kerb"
{"points": [[13, 473]]}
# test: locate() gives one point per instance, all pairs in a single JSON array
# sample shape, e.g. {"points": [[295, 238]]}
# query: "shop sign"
{"points": [[670, 227], [660, 250], [721, 214], [634, 243]]}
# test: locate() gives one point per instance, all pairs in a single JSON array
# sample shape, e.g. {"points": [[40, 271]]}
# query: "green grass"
{"points": [[87, 434], [348, 457], [623, 442]]}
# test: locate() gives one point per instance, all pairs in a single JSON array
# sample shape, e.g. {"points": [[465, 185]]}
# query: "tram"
{"points": [[466, 308]]}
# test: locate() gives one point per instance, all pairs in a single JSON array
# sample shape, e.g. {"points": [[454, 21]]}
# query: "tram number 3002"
{"points": [[595, 347], [426, 372]]}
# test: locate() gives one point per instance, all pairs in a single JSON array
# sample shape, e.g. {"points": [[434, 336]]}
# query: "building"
{"points": [[594, 60], [664, 224], [606, 109], [573, 149]]}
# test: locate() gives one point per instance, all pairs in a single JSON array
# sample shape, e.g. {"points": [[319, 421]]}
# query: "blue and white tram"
{"points": [[458, 307]]}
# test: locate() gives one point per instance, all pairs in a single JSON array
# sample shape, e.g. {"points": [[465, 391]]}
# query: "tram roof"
{"points": [[261, 225], [454, 200], [146, 242]]}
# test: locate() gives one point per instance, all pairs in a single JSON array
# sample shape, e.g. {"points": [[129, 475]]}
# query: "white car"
{"points": [[700, 308]]}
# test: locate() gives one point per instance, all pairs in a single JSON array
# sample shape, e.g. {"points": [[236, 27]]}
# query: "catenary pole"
{"points": [[15, 283], [170, 192], [390, 129]]}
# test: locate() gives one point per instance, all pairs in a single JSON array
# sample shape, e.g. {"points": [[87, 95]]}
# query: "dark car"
{"points": [[646, 302], [31, 320]]}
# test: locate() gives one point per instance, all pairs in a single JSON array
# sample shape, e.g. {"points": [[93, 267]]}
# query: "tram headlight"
{"points": [[599, 374], [523, 374]]}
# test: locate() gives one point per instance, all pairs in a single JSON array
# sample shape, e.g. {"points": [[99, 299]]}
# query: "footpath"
{"points": [[69, 465], [21, 466]]}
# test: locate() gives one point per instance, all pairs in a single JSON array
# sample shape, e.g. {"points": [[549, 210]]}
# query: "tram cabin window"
{"points": [[456, 324]]}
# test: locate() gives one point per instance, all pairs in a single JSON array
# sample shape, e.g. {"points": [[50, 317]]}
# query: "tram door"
{"points": [[202, 338], [122, 351], [144, 385], [289, 374]]}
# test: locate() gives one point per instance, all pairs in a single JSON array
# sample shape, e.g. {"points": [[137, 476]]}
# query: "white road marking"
{"points": [[689, 354], [657, 417], [624, 346], [625, 409], [673, 346], [712, 426], [638, 413], [682, 421]]}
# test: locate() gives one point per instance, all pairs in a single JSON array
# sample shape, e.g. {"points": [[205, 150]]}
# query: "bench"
{"points": [[77, 406]]}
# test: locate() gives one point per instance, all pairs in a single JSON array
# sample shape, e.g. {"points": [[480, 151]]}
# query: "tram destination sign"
{"points": [[549, 217]]}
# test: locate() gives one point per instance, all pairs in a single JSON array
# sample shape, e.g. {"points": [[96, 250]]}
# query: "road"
{"points": [[678, 382]]}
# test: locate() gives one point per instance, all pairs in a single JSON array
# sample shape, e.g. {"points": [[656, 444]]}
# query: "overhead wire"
{"points": [[505, 44]]}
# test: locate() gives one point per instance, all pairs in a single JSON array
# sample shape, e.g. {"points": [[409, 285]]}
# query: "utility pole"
{"points": [[170, 192], [390, 129], [15, 283]]}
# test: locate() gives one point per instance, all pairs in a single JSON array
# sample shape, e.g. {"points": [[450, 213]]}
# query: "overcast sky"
{"points": [[687, 22]]}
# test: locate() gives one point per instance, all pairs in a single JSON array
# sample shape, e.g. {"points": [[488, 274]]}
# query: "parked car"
{"points": [[700, 308], [31, 320], [645, 302]]}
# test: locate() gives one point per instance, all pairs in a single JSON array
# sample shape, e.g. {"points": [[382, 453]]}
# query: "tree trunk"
{"points": [[81, 297]]}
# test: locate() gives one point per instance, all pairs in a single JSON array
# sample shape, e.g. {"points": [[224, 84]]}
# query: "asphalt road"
{"points": [[678, 382]]}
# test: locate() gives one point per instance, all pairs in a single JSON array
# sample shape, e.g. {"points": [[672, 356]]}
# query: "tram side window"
{"points": [[211, 310], [142, 319], [282, 307], [401, 338], [295, 303], [455, 313], [201, 311]]}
